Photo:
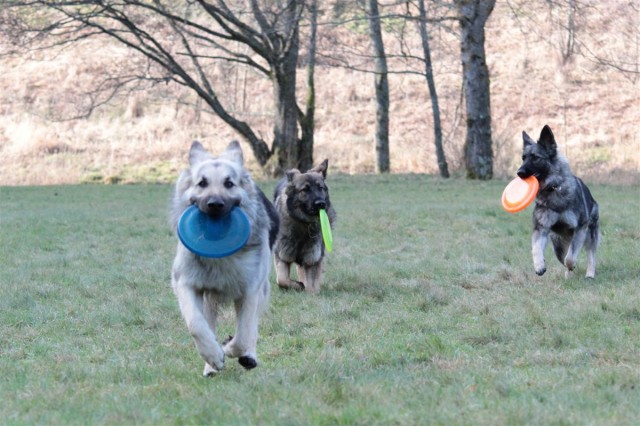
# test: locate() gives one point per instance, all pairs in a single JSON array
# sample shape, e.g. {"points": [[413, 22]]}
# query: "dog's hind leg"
{"points": [[574, 248], [560, 246], [283, 275], [311, 276], [591, 245], [205, 339]]}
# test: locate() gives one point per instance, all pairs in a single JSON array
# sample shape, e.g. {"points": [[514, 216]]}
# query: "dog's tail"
{"points": [[274, 219], [591, 212]]}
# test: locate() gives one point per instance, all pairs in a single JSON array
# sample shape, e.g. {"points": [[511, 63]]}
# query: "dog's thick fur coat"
{"points": [[216, 185], [298, 198], [564, 211]]}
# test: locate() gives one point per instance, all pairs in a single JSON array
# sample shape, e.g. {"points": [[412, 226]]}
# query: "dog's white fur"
{"points": [[203, 284]]}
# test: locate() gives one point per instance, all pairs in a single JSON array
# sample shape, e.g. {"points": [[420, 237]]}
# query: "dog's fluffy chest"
{"points": [[555, 216], [303, 244], [230, 276]]}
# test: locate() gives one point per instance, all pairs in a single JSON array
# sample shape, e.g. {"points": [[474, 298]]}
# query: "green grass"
{"points": [[430, 313]]}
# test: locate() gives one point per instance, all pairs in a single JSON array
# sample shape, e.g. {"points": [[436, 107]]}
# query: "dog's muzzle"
{"points": [[523, 173], [320, 204], [217, 206]]}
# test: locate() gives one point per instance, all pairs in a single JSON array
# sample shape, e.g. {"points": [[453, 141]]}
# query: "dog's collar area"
{"points": [[553, 188], [313, 229]]}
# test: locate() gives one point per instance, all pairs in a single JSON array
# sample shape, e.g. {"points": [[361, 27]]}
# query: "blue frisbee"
{"points": [[209, 237]]}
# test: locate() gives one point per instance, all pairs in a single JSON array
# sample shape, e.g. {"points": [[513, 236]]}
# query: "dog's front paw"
{"points": [[216, 359], [248, 362], [209, 371], [539, 266], [246, 359], [298, 286], [292, 285]]}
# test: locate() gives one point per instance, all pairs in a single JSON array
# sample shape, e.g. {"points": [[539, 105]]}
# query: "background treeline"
{"points": [[115, 91]]}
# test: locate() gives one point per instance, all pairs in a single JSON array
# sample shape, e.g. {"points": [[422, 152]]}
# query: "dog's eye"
{"points": [[306, 188], [229, 183], [203, 183]]}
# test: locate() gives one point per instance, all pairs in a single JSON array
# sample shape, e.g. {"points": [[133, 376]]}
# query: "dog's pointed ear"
{"points": [[321, 168], [526, 139], [547, 140], [233, 152], [197, 153], [291, 174]]}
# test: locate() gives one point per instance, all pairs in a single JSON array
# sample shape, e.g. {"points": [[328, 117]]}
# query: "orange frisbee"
{"points": [[519, 194]]}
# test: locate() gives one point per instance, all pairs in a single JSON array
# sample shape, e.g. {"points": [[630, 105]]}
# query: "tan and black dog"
{"points": [[298, 198]]}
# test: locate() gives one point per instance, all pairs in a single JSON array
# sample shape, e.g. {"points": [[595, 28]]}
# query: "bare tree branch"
{"points": [[202, 34]]}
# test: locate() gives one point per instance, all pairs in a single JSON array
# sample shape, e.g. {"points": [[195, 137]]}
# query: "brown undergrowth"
{"points": [[143, 136]]}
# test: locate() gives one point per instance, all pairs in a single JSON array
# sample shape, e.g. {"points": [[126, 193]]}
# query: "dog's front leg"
{"points": [[210, 311], [243, 344], [311, 276], [190, 303], [538, 243], [283, 275]]}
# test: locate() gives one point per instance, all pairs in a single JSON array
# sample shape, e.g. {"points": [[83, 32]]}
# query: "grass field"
{"points": [[430, 314]]}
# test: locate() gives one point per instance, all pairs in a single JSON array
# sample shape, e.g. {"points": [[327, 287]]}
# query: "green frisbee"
{"points": [[326, 230]]}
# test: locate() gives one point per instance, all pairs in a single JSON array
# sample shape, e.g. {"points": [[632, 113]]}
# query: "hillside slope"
{"points": [[593, 108]]}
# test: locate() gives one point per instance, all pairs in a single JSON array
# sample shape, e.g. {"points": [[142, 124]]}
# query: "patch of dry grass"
{"points": [[593, 109]]}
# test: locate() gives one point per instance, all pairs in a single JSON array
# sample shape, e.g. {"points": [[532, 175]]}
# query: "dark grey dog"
{"points": [[565, 211], [298, 199]]}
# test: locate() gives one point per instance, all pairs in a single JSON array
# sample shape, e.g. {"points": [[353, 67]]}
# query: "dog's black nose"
{"points": [[215, 204], [522, 174], [320, 204]]}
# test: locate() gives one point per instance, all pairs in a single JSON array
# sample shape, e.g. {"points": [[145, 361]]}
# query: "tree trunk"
{"points": [[285, 132], [307, 120], [478, 151], [435, 106], [270, 29], [382, 88]]}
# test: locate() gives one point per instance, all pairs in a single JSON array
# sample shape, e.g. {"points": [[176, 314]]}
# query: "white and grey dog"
{"points": [[216, 185]]}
